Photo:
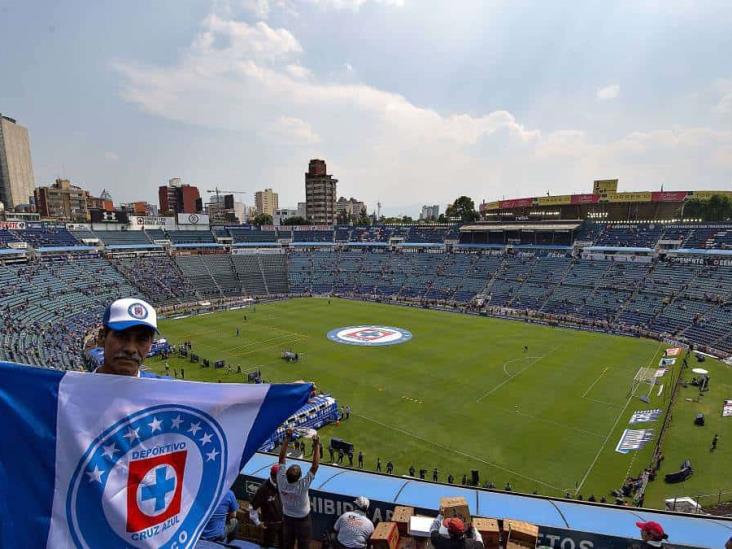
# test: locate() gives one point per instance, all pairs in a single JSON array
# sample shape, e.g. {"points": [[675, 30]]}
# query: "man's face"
{"points": [[293, 473], [125, 350]]}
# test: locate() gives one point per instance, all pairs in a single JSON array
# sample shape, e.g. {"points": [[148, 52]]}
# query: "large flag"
{"points": [[93, 460]]}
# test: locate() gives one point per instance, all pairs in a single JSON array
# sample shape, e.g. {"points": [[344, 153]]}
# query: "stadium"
{"points": [[554, 371]]}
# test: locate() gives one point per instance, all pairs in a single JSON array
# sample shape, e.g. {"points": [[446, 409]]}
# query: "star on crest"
{"points": [[132, 434], [109, 451], [95, 475], [212, 455], [195, 427], [205, 439], [155, 424], [176, 422]]}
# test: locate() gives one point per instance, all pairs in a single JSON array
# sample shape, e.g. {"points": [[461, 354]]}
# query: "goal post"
{"points": [[643, 377]]}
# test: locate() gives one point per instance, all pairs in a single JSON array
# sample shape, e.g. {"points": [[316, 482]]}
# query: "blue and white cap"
{"points": [[128, 312]]}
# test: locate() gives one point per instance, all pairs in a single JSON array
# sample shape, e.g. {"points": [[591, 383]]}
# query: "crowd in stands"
{"points": [[157, 277], [639, 235], [47, 307]]}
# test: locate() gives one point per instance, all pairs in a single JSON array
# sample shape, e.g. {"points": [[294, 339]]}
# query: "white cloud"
{"points": [[608, 92], [724, 88], [251, 78], [293, 131], [354, 4], [109, 155]]}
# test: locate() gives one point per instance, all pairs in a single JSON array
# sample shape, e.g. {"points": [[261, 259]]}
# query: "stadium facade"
{"points": [[604, 203]]}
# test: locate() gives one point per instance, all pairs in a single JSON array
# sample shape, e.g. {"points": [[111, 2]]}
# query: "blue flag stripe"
{"points": [[279, 397], [28, 404]]}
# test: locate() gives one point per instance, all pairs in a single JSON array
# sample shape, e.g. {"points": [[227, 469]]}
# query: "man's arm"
{"points": [[316, 454], [283, 450]]}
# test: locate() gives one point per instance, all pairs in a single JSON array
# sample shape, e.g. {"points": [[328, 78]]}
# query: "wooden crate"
{"points": [[520, 534], [489, 531], [401, 516], [455, 507], [385, 536]]}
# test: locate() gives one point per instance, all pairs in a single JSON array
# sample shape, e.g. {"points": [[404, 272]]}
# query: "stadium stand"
{"points": [[124, 238], [158, 277], [686, 297], [42, 237], [48, 306]]}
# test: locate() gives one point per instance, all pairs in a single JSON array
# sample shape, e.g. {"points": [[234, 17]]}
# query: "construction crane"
{"points": [[217, 191]]}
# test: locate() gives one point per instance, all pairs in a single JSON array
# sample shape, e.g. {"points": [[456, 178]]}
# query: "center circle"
{"points": [[369, 335]]}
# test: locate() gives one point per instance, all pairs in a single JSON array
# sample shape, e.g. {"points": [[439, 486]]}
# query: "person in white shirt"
{"points": [[353, 527]]}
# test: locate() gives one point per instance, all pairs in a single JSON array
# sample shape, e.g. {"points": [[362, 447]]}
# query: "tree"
{"points": [[295, 220], [363, 218], [463, 208], [717, 208], [262, 219], [407, 219]]}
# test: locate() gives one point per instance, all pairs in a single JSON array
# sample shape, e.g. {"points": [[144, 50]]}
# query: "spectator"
{"points": [[360, 459], [293, 488], [127, 337], [458, 535], [267, 501], [652, 534], [353, 527], [223, 523]]}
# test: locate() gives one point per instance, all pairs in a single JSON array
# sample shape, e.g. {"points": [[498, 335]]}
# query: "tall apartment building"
{"points": [[430, 213], [266, 201], [16, 168], [175, 197], [320, 194], [62, 200]]}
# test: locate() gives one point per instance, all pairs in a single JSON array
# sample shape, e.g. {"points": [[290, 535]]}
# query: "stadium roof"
{"points": [[63, 249], [621, 249], [571, 226], [557, 513]]}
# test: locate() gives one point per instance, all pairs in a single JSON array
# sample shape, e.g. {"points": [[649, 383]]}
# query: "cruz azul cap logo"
{"points": [[151, 479], [369, 335], [138, 311]]}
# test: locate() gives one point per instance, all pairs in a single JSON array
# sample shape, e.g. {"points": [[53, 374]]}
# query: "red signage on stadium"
{"points": [[585, 199], [12, 225], [516, 203], [674, 196]]}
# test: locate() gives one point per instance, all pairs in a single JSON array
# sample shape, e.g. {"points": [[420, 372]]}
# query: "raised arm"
{"points": [[316, 455], [283, 450]]}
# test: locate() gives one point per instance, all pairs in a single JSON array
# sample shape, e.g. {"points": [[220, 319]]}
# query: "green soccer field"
{"points": [[463, 394]]}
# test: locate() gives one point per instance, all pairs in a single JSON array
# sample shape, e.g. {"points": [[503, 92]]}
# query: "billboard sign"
{"points": [[144, 222], [673, 196], [585, 198], [516, 203], [116, 216], [193, 219], [12, 225]]}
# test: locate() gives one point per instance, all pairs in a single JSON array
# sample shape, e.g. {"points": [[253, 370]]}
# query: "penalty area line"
{"points": [[521, 371], [595, 382], [612, 429], [458, 452]]}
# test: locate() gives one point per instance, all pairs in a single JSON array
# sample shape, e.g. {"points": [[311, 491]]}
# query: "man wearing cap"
{"points": [[294, 493], [267, 500], [353, 527], [452, 533], [652, 534], [129, 326]]}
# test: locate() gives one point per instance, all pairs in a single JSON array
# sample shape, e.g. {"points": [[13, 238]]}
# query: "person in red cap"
{"points": [[652, 534], [267, 501], [452, 533]]}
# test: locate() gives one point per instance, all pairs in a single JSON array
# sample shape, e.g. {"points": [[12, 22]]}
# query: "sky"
{"points": [[410, 102]]}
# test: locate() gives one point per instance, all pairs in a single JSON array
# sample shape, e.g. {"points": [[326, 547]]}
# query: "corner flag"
{"points": [[94, 460]]}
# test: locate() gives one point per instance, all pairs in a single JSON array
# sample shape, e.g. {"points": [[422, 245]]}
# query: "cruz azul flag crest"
{"points": [[95, 460]]}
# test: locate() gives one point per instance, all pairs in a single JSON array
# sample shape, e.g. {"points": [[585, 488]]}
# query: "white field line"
{"points": [[521, 371], [595, 382], [452, 450], [517, 360], [612, 429]]}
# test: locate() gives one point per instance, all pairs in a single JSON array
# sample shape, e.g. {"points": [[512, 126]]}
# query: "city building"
{"points": [[266, 202], [282, 215], [140, 208], [604, 203], [102, 202], [302, 210], [16, 169], [175, 198], [320, 194], [348, 210], [63, 201], [430, 213]]}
